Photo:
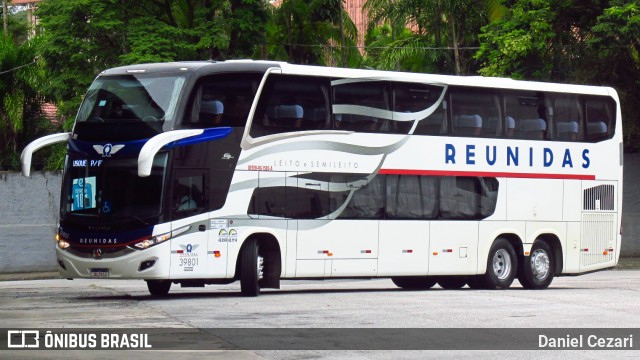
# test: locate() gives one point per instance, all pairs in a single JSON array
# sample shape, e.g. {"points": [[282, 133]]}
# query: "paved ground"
{"points": [[607, 299]]}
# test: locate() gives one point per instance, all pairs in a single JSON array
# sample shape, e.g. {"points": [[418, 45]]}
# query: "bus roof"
{"points": [[210, 67]]}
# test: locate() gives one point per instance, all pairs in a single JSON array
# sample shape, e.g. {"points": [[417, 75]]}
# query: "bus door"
{"points": [[195, 252]]}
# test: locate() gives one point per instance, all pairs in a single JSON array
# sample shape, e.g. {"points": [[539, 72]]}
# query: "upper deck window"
{"points": [[137, 104], [221, 100]]}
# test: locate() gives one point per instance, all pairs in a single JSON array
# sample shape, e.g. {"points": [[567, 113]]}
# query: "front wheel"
{"points": [[537, 270], [159, 288], [502, 265], [251, 268]]}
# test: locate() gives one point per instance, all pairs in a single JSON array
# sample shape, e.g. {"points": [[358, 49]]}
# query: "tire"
{"points": [[414, 282], [502, 265], [452, 282], [538, 269], [158, 288], [251, 268]]}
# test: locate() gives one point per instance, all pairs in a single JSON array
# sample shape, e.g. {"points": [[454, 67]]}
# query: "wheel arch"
{"points": [[514, 239], [269, 249]]}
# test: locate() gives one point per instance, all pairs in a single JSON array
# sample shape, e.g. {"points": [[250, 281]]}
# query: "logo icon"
{"points": [[26, 339], [107, 150], [97, 254], [189, 248], [227, 156]]}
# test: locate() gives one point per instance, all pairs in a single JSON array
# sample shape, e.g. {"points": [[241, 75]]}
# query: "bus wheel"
{"points": [[452, 282], [414, 282], [537, 270], [158, 288], [502, 265], [251, 268]]}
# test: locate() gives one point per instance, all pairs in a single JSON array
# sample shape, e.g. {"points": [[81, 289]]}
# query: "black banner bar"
{"points": [[320, 339]]}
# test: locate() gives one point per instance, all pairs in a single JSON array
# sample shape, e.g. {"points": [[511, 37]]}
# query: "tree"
{"points": [[21, 117], [83, 37], [586, 42], [442, 31], [304, 32], [614, 59]]}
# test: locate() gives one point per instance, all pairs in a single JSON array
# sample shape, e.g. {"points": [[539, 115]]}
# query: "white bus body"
{"points": [[355, 173]]}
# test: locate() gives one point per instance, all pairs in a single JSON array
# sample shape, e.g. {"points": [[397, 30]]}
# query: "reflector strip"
{"points": [[365, 251], [486, 174], [407, 251]]}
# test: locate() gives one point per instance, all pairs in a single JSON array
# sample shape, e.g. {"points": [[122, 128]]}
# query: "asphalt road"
{"points": [[608, 299]]}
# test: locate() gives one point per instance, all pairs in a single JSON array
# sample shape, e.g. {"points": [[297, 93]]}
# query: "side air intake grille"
{"points": [[599, 198]]}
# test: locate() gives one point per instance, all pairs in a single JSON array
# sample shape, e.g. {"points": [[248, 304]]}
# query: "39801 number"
{"points": [[188, 262]]}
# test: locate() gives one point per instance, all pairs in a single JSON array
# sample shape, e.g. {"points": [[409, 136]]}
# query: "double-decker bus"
{"points": [[200, 173]]}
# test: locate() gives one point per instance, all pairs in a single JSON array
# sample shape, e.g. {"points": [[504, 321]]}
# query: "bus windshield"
{"points": [[111, 189], [132, 101]]}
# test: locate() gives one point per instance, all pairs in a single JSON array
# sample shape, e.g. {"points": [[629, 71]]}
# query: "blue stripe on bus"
{"points": [[132, 148]]}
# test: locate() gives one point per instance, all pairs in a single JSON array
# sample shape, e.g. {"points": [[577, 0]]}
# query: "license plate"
{"points": [[99, 273]]}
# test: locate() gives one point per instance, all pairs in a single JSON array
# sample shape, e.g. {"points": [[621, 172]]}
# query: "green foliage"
{"points": [[310, 32], [21, 117], [614, 48], [441, 33], [521, 45]]}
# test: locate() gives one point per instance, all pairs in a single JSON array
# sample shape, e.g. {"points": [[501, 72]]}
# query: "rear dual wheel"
{"points": [[502, 265], [538, 269]]}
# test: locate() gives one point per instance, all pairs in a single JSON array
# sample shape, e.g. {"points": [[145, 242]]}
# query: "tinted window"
{"points": [[361, 106], [566, 114], [291, 103], [600, 118], [526, 116], [222, 100], [475, 113], [409, 99]]}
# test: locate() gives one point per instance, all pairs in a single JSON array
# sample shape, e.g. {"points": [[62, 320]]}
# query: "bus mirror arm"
{"points": [[151, 147], [37, 144]]}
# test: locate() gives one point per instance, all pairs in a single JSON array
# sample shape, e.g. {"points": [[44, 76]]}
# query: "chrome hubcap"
{"points": [[502, 264], [260, 267], [540, 264]]}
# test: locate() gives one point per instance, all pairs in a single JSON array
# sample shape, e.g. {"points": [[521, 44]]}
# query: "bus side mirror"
{"points": [[37, 144]]}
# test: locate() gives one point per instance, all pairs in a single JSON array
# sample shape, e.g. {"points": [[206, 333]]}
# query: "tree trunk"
{"points": [[5, 17], [456, 51], [342, 38]]}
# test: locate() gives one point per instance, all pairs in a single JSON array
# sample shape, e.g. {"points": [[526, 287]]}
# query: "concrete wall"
{"points": [[631, 207], [29, 212], [28, 217]]}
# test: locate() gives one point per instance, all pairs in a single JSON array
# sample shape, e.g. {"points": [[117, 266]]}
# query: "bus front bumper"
{"points": [[151, 263]]}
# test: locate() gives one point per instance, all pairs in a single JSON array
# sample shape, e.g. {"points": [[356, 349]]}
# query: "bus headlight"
{"points": [[155, 240], [62, 244]]}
